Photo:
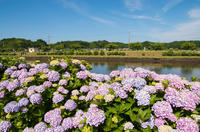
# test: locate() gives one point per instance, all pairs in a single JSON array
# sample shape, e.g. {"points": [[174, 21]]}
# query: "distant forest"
{"points": [[20, 44]]}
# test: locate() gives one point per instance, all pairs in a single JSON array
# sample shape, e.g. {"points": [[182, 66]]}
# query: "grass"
{"points": [[129, 54]]}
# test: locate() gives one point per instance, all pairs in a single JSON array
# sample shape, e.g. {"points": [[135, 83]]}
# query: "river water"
{"points": [[186, 70]]}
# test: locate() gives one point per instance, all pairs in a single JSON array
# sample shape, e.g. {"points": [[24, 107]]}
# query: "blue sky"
{"points": [[90, 20]]}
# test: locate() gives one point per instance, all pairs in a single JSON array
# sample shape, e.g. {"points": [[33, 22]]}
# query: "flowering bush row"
{"points": [[65, 96]]}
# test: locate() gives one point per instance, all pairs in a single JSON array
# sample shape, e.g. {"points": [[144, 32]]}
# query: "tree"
{"points": [[157, 46], [188, 46], [135, 46], [111, 46]]}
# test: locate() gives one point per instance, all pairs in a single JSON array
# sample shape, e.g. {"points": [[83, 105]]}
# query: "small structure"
{"points": [[32, 50]]}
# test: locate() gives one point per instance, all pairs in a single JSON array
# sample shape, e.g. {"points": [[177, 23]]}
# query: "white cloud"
{"points": [[184, 31], [101, 20], [194, 13], [170, 4], [141, 17], [71, 4], [133, 4]]}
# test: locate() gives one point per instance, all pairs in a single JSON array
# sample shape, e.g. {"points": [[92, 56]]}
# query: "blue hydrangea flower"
{"points": [[5, 126], [67, 123], [53, 76], [70, 105], [23, 102], [57, 98], [11, 107], [36, 98], [40, 127]]}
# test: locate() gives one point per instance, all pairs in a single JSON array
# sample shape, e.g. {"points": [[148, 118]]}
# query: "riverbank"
{"points": [[169, 59]]}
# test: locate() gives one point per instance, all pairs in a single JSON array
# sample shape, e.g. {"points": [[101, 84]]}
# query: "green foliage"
{"points": [[135, 46], [188, 46], [102, 53], [116, 53], [183, 53], [96, 52]]}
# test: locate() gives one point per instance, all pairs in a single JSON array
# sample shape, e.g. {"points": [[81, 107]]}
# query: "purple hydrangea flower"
{"points": [[57, 98], [53, 76], [15, 74], [63, 82], [4, 84], [59, 129], [40, 89], [67, 123], [41, 66], [70, 105], [143, 97], [66, 74], [63, 90], [159, 121], [23, 102], [28, 130], [95, 116], [187, 125], [137, 82], [22, 66], [8, 71], [115, 73], [46, 70], [82, 75], [47, 84], [49, 130], [162, 109], [13, 85], [24, 109], [84, 89], [11, 107], [1, 65], [128, 126], [81, 98], [40, 127], [127, 87], [82, 67], [20, 92], [36, 98], [2, 94], [121, 93], [97, 77], [53, 117], [5, 126], [63, 64], [149, 123], [13, 67]]}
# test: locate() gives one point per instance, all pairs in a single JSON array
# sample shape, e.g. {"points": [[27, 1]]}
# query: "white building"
{"points": [[32, 50]]}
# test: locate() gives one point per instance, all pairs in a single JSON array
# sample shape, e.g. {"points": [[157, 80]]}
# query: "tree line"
{"points": [[20, 44]]}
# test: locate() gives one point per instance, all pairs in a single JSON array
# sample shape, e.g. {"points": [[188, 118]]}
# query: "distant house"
{"points": [[32, 50]]}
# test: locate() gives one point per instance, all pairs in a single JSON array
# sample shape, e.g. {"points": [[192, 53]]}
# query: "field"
{"points": [[128, 53]]}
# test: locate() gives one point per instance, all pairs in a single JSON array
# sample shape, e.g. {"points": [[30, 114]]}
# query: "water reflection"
{"points": [[182, 69]]}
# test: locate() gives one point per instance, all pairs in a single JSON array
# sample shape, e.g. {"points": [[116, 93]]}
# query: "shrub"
{"points": [[96, 52], [102, 53], [64, 95]]}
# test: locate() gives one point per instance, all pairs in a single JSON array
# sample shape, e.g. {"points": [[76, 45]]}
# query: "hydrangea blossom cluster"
{"points": [[95, 116], [53, 117], [70, 105], [53, 76], [128, 126], [67, 105]]}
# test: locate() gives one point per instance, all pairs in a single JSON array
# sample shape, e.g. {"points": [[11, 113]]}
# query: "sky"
{"points": [[92, 20]]}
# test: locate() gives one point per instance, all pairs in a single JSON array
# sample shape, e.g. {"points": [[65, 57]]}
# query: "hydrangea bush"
{"points": [[65, 96]]}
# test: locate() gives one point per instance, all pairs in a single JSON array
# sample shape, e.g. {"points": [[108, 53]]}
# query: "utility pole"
{"points": [[48, 39], [129, 37]]}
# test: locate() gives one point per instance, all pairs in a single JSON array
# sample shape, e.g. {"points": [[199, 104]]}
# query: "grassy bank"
{"points": [[128, 54]]}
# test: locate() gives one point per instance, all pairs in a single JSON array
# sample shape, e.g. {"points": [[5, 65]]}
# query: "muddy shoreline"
{"points": [[126, 59]]}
